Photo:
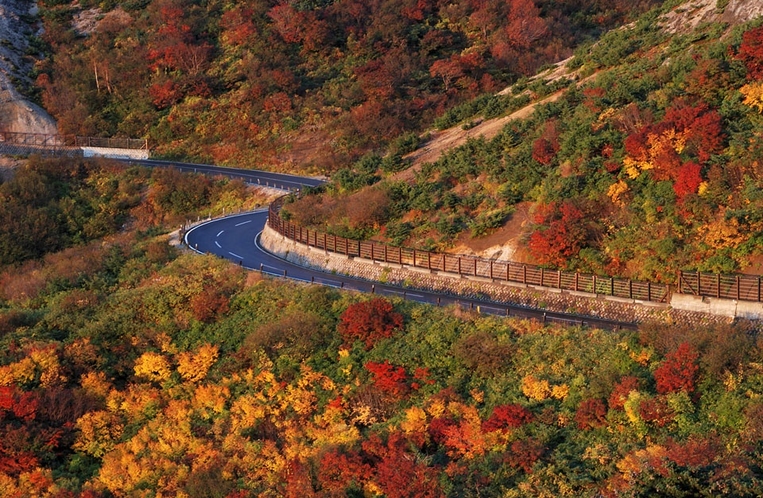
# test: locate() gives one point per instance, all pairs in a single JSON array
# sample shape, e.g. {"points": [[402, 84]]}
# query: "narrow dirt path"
{"points": [[442, 141]]}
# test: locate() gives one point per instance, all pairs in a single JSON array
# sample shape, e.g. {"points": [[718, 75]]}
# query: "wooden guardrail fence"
{"points": [[468, 266], [57, 141]]}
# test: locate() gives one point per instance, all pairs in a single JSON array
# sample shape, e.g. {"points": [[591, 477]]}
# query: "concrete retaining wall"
{"points": [[721, 307], [113, 153]]}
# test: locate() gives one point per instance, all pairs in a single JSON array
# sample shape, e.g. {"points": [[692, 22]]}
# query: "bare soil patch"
{"points": [[502, 244]]}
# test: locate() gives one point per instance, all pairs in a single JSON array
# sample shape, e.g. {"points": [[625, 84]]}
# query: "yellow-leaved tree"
{"points": [[153, 367], [193, 367], [753, 95], [99, 432]]}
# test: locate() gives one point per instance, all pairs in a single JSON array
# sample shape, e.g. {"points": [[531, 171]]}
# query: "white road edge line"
{"points": [[327, 281], [235, 255], [402, 293]]}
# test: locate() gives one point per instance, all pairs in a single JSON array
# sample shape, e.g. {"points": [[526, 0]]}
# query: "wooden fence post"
{"points": [[718, 285], [680, 281]]}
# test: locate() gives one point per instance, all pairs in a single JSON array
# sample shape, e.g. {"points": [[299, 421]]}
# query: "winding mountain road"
{"points": [[236, 238], [279, 181]]}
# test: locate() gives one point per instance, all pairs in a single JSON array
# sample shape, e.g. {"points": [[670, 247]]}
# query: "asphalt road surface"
{"points": [[236, 238], [265, 178]]}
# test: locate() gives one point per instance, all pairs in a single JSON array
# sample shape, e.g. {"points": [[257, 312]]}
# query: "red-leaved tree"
{"points": [[209, 304], [655, 410], [439, 427], [398, 472], [339, 471], [369, 321], [591, 413], [524, 453], [679, 370], [751, 52], [688, 180], [564, 234], [509, 416], [621, 391], [388, 378]]}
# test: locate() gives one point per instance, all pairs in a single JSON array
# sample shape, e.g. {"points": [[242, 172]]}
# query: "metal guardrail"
{"points": [[469, 266]]}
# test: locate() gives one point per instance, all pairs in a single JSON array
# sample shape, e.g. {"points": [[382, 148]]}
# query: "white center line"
{"points": [[242, 223], [235, 255], [220, 232], [218, 244]]}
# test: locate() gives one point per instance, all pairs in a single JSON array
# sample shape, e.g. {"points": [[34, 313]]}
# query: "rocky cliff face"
{"points": [[691, 14], [17, 25]]}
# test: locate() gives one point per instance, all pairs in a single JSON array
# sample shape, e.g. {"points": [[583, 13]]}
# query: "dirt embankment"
{"points": [[18, 26]]}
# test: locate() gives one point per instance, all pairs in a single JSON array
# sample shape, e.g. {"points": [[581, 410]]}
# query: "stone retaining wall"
{"points": [[550, 299]]}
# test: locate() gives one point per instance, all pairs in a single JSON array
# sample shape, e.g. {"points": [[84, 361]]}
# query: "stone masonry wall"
{"points": [[550, 299]]}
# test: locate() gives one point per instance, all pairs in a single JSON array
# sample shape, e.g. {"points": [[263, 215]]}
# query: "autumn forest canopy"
{"points": [[130, 367], [312, 83]]}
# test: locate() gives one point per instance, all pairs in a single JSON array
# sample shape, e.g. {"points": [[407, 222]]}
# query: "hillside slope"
{"points": [[309, 84], [682, 20], [645, 165], [506, 242], [128, 368], [17, 27]]}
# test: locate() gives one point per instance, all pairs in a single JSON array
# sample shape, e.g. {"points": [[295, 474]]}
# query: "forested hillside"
{"points": [[129, 369], [53, 204], [650, 165], [294, 84]]}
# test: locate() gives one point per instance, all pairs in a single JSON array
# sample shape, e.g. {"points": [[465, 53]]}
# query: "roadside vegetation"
{"points": [[649, 168], [151, 371]]}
